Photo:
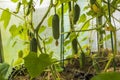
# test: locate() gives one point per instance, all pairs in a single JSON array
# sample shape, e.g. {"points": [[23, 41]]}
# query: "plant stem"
{"points": [[109, 13], [111, 5], [40, 23], [99, 33], [82, 30]]}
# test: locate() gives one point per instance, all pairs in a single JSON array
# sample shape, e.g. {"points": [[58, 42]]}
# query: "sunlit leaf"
{"points": [[37, 64], [13, 30], [19, 61], [49, 21], [14, 0], [24, 1], [72, 36], [107, 76], [49, 40], [82, 18], [85, 26], [5, 17], [42, 29]]}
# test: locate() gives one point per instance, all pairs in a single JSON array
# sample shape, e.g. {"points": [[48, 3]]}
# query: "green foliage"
{"points": [[66, 42], [42, 29], [92, 2], [20, 54], [5, 17], [49, 40], [65, 1], [85, 38], [82, 18], [72, 36], [14, 1], [41, 1], [13, 30], [49, 21], [5, 71], [37, 64], [24, 1], [18, 62], [86, 25], [107, 37], [107, 76]]}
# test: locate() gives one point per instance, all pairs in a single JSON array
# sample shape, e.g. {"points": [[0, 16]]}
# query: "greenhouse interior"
{"points": [[59, 39]]}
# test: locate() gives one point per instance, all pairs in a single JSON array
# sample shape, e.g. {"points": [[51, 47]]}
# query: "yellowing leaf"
{"points": [[95, 8]]}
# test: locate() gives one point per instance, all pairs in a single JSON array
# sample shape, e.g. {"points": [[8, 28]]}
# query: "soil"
{"points": [[71, 71]]}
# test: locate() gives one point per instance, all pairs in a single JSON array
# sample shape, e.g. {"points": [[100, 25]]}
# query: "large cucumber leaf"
{"points": [[37, 64], [107, 76]]}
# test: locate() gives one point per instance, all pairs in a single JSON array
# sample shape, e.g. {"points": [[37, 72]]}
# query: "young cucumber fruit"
{"points": [[55, 27], [76, 13], [33, 45]]}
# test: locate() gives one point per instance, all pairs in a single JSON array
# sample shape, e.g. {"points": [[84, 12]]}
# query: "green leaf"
{"points": [[85, 26], [14, 43], [37, 64], [82, 18], [107, 76], [14, 1], [85, 38], [50, 21], [5, 17], [49, 40], [41, 1], [5, 71], [42, 29], [13, 30], [24, 1], [19, 61], [107, 37], [72, 36], [66, 42], [66, 1]]}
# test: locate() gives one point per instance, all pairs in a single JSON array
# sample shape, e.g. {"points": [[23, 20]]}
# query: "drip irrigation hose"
{"points": [[62, 36]]}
